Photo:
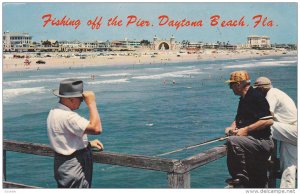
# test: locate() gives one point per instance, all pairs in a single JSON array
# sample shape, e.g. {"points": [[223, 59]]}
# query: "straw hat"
{"points": [[69, 88], [238, 76]]}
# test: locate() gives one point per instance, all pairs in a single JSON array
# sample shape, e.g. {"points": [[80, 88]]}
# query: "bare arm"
{"points": [[258, 125], [95, 126]]}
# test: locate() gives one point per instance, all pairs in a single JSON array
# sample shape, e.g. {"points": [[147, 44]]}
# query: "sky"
{"points": [[27, 17]]}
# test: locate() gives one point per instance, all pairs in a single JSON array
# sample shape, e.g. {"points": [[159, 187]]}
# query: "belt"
{"points": [[77, 152]]}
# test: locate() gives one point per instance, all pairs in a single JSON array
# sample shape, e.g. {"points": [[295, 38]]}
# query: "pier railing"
{"points": [[178, 171]]}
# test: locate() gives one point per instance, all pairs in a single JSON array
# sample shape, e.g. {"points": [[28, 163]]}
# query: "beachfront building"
{"points": [[132, 43], [125, 45], [284, 46], [258, 42], [47, 46], [211, 46], [77, 46], [49, 43], [195, 45], [15, 41], [226, 46], [95, 45], [159, 44], [102, 46], [69, 46], [191, 47]]}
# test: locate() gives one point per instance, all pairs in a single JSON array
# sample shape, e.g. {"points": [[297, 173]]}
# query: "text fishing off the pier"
{"points": [[162, 21]]}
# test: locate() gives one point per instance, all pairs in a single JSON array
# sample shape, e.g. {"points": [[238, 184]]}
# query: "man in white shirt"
{"points": [[284, 129], [67, 132]]}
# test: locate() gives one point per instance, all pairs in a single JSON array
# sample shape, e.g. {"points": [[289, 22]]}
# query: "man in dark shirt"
{"points": [[250, 145]]}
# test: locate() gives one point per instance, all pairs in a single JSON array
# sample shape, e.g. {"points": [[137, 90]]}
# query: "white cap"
{"points": [[263, 82]]}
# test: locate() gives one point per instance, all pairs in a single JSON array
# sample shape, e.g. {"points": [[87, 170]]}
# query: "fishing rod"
{"points": [[194, 146]]}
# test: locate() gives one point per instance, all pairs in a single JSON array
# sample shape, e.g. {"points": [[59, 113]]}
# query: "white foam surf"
{"points": [[21, 82], [187, 67], [170, 74], [29, 81], [115, 75], [115, 81], [10, 93], [154, 69], [74, 74], [263, 64]]}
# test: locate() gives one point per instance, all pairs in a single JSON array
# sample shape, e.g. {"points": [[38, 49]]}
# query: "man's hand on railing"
{"points": [[97, 144]]}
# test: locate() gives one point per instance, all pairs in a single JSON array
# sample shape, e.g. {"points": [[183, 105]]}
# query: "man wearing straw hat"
{"points": [[250, 146], [284, 128], [67, 132]]}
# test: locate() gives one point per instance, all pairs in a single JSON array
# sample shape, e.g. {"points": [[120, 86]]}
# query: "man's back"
{"points": [[284, 128], [282, 106], [66, 130]]}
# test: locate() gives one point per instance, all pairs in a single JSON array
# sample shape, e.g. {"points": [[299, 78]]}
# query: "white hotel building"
{"points": [[258, 42], [14, 41]]}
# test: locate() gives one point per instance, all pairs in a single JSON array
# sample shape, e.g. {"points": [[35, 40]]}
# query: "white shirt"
{"points": [[285, 130], [66, 130], [282, 106]]}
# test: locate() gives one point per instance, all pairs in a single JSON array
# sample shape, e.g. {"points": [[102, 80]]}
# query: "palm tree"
{"points": [[145, 42], [46, 43]]}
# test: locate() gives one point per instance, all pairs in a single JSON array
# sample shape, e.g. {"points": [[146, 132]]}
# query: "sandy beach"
{"points": [[67, 60]]}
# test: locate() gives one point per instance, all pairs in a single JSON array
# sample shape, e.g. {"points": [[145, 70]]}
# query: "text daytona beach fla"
{"points": [[163, 20]]}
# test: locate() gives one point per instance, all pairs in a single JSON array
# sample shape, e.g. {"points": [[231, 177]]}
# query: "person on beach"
{"points": [[284, 129], [250, 144], [67, 132]]}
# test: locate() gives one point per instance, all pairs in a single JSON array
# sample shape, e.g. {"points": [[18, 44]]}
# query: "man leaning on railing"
{"points": [[67, 132]]}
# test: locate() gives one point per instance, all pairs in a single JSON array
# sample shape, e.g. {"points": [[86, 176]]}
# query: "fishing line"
{"points": [[184, 148], [193, 146]]}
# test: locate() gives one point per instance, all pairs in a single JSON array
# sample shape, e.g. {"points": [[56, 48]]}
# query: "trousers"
{"points": [[287, 135], [75, 170], [247, 159]]}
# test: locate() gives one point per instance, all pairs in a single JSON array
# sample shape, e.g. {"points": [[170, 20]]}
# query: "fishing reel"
{"points": [[230, 132]]}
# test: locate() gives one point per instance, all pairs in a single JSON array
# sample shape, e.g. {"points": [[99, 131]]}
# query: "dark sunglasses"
{"points": [[81, 99], [232, 84]]}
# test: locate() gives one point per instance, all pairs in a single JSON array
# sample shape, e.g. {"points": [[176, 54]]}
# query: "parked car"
{"points": [[40, 62]]}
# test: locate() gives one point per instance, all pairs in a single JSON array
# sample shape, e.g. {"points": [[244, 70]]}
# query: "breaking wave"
{"points": [[263, 64], [22, 82], [115, 75], [11, 93], [115, 81], [170, 74]]}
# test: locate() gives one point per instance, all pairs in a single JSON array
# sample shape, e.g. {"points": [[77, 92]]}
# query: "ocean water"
{"points": [[145, 109]]}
